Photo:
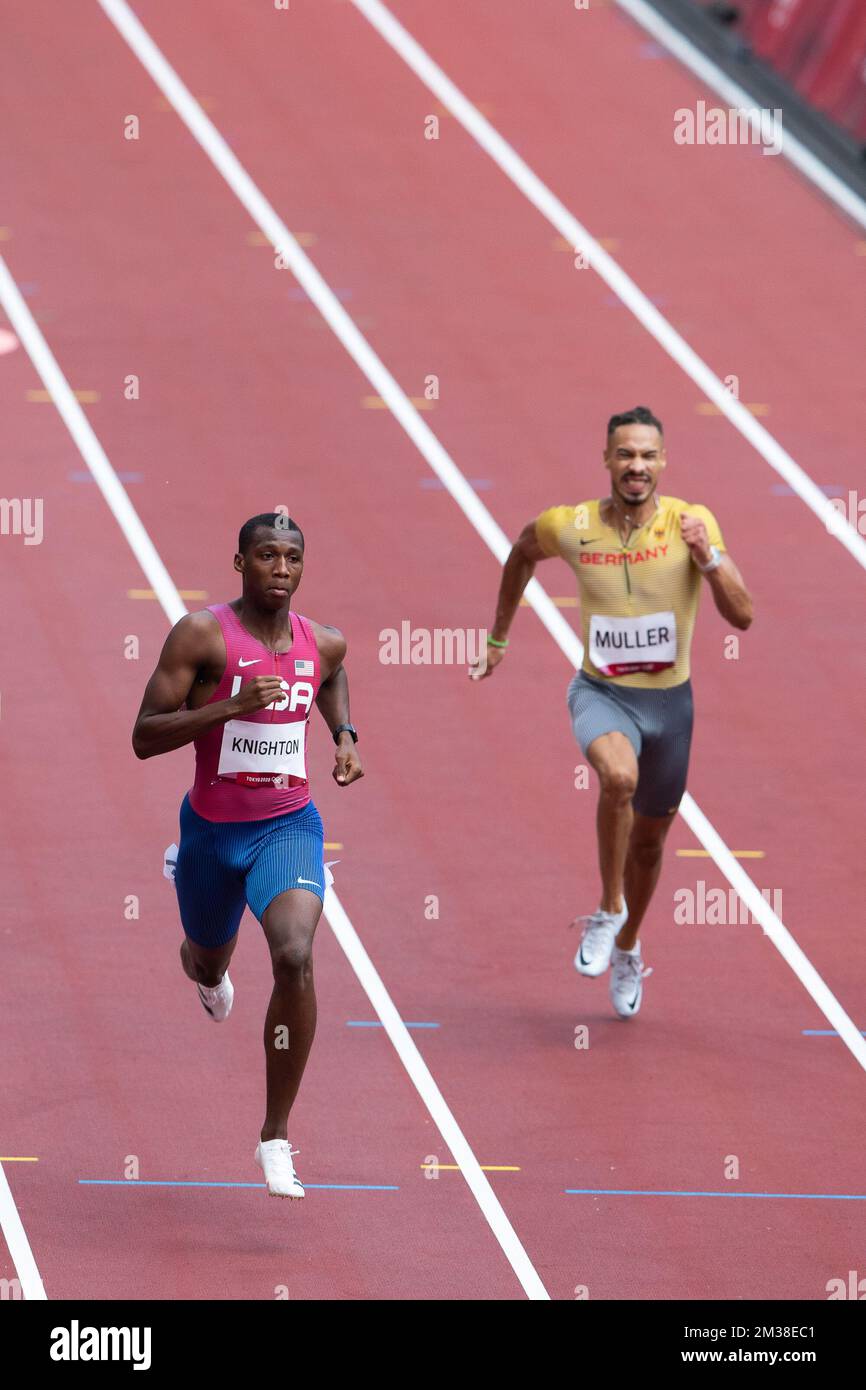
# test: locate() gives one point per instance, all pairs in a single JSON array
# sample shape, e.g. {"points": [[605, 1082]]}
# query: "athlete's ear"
{"points": [[239, 563]]}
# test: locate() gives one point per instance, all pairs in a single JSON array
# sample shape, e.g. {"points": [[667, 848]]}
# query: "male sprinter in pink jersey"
{"points": [[640, 561], [239, 681]]}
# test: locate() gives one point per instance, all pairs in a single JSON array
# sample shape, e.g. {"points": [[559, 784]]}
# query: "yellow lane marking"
{"points": [[378, 403], [184, 593], [485, 1167], [18, 1160], [332, 845], [85, 397], [483, 106], [705, 853], [161, 103], [302, 238], [6, 234], [710, 408], [859, 246], [607, 243]]}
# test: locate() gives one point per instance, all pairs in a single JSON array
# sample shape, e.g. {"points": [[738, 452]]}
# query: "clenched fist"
{"points": [[694, 533], [257, 694]]}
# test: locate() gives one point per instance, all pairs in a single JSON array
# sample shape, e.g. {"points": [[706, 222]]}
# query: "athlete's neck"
{"points": [[272, 629], [628, 517]]}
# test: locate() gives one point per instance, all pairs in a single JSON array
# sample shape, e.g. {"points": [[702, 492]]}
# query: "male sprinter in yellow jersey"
{"points": [[640, 560]]}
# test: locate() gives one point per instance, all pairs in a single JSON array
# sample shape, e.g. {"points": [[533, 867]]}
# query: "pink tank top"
{"points": [[254, 767]]}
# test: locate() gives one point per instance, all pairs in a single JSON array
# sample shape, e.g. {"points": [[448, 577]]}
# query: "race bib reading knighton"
{"points": [[618, 646], [260, 754]]}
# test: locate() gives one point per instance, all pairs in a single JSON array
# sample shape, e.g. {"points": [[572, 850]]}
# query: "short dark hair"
{"points": [[274, 521], [641, 415]]}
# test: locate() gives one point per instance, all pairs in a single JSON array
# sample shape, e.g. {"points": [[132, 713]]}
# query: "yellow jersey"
{"points": [[638, 601]]}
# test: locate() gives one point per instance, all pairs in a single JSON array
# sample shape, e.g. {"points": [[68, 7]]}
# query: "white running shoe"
{"points": [[596, 944], [274, 1157], [626, 981], [217, 1001]]}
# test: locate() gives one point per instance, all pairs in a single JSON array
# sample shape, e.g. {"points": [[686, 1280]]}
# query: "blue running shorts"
{"points": [[225, 866]]}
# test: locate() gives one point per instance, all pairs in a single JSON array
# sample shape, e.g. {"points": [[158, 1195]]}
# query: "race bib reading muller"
{"points": [[619, 646]]}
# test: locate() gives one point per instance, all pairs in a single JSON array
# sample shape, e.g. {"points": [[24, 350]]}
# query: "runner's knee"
{"points": [[619, 782], [646, 853], [292, 959]]}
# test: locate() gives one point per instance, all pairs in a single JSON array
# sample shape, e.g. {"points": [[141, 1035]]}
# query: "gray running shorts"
{"points": [[658, 725]]}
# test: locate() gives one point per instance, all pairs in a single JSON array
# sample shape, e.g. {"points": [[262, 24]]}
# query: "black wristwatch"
{"points": [[346, 729]]}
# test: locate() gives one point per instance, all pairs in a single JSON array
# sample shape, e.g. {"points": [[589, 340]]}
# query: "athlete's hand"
{"points": [[347, 767], [257, 694], [489, 660], [694, 533]]}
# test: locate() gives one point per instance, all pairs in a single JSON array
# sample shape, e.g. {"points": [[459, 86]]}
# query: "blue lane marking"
{"points": [[299, 295], [83, 475], [824, 1033], [613, 301], [785, 490], [644, 1192], [375, 1023], [350, 1186], [152, 1182], [480, 484]]}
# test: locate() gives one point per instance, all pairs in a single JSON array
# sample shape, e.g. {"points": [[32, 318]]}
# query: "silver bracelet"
{"points": [[715, 560]]}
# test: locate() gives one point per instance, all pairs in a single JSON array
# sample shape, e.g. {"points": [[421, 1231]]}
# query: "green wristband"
{"points": [[492, 642]]}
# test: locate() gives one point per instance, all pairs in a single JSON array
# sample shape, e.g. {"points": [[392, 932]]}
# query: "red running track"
{"points": [[137, 258]]}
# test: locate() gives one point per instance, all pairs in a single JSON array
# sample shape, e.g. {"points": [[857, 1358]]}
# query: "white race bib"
{"points": [[262, 751], [618, 646]]}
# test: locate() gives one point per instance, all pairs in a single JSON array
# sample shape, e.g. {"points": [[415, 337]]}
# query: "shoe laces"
{"points": [[598, 922], [285, 1153], [628, 968], [211, 991]]}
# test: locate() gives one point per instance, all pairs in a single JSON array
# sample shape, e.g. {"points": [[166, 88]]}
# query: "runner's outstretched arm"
{"points": [[162, 723], [516, 574]]}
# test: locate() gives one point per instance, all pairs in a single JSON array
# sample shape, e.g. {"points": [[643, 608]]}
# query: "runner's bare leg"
{"points": [[613, 758]]}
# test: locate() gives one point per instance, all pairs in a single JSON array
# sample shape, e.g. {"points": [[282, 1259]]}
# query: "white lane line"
{"points": [[447, 471], [19, 1246], [433, 1098], [546, 202], [89, 446], [733, 95], [174, 608]]}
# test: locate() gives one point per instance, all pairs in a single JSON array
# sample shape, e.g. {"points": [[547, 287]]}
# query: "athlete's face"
{"points": [[635, 455], [272, 567]]}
